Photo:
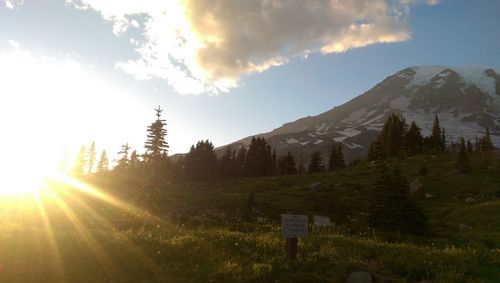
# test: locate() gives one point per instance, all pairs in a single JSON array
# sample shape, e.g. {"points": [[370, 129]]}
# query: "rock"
{"points": [[416, 186], [360, 277], [316, 187], [324, 221], [262, 220], [464, 227], [469, 200], [428, 195]]}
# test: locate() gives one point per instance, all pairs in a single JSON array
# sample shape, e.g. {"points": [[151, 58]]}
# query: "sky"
{"points": [[76, 71]]}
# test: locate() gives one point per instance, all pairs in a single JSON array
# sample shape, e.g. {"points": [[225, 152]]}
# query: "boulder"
{"points": [[360, 277], [262, 220], [416, 186], [469, 200], [324, 221], [316, 187], [464, 227]]}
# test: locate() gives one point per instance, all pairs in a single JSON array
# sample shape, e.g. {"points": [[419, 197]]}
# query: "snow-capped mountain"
{"points": [[466, 99]]}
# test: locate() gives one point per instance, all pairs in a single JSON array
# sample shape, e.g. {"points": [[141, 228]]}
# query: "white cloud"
{"points": [[206, 46], [12, 43], [11, 4]]}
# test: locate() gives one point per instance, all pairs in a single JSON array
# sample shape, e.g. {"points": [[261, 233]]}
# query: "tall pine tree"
{"points": [[287, 165], [156, 145], [485, 142], [413, 140], [123, 162], [392, 208], [316, 164], [79, 164], [226, 164], [91, 158], [336, 160], [240, 161], [391, 140], [259, 161], [201, 162], [435, 140], [462, 164], [103, 164]]}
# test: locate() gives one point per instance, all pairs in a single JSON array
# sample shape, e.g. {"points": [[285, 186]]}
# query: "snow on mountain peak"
{"points": [[424, 74], [470, 75]]}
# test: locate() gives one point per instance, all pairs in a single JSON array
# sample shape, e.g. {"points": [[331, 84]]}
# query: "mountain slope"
{"points": [[467, 100]]}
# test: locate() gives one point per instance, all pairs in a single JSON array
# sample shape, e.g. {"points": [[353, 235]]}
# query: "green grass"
{"points": [[207, 242]]}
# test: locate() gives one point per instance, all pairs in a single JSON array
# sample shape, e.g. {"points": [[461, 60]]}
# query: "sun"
{"points": [[48, 109], [27, 172]]}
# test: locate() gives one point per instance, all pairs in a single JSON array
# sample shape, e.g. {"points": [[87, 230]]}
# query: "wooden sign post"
{"points": [[294, 227]]}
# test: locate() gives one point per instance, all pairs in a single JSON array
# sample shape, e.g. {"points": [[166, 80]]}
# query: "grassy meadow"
{"points": [[199, 235]]}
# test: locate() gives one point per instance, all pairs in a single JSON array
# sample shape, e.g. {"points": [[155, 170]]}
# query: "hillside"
{"points": [[467, 100], [200, 236]]}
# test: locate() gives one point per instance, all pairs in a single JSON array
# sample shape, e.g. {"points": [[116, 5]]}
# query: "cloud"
{"points": [[207, 46], [11, 4]]}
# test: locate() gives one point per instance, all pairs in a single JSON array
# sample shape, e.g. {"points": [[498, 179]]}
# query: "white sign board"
{"points": [[294, 226]]}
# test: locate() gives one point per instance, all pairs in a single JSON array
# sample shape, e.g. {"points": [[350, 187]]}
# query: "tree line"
{"points": [[396, 140], [153, 168]]}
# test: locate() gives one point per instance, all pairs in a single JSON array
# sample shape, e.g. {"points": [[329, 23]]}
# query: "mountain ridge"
{"points": [[467, 100]]}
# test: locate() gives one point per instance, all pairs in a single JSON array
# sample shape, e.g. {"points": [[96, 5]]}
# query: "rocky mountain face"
{"points": [[466, 99]]}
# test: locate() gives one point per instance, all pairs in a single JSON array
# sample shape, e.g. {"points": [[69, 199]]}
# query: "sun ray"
{"points": [[49, 235], [80, 228], [128, 243], [108, 198]]}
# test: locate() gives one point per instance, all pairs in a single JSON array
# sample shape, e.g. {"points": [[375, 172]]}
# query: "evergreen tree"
{"points": [[462, 164], [156, 146], [434, 141], [485, 142], [442, 143], [336, 160], [240, 161], [395, 139], [414, 140], [287, 165], [274, 163], [375, 151], [80, 161], [227, 164], [391, 140], [477, 145], [91, 158], [470, 147], [301, 167], [123, 162], [392, 208], [103, 164], [155, 161], [316, 164], [201, 162], [134, 160], [258, 161]]}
